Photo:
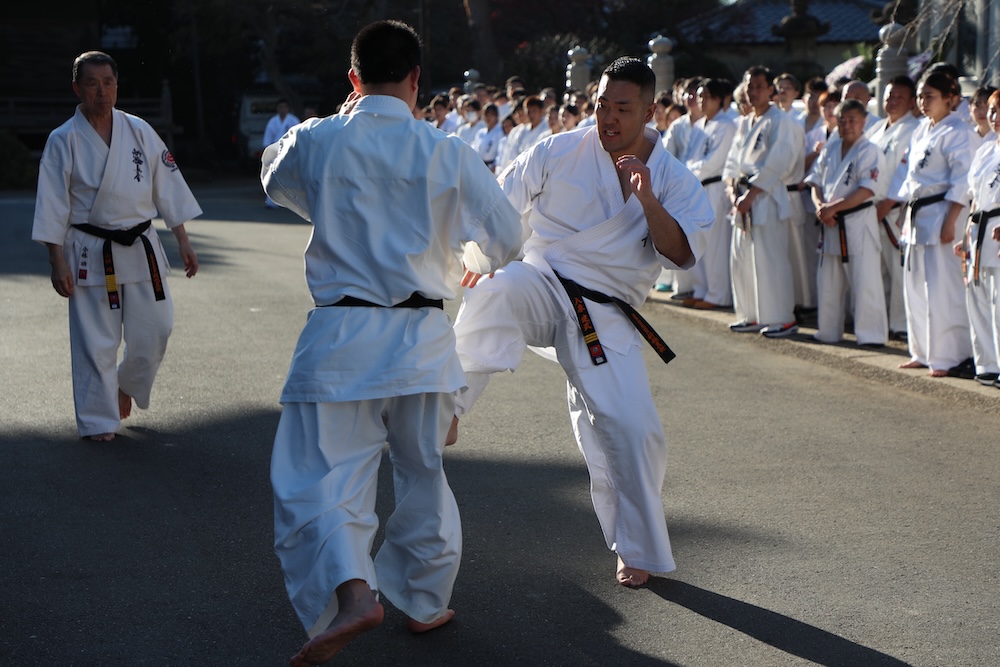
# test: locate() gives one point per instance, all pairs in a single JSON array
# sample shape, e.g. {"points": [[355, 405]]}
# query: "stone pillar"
{"points": [[661, 62], [891, 59], [471, 79], [578, 70]]}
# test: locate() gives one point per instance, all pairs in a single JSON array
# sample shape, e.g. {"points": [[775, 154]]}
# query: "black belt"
{"points": [[713, 179], [841, 218], [746, 218], [980, 218], [792, 188], [577, 294], [125, 237], [916, 204], [888, 228], [416, 300]]}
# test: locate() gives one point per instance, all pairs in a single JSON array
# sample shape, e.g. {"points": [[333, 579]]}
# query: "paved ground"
{"points": [[825, 507]]}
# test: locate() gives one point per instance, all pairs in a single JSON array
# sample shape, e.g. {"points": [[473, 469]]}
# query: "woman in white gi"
{"points": [[708, 146], [105, 172], [983, 247], [844, 179], [604, 208], [936, 187]]}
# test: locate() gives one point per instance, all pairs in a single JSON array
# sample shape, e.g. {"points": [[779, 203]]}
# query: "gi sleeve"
{"points": [[870, 169], [281, 171], [171, 195], [683, 197], [491, 225], [52, 199], [957, 151], [522, 181]]}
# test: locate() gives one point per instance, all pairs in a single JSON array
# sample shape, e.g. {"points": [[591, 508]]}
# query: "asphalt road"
{"points": [[824, 508]]}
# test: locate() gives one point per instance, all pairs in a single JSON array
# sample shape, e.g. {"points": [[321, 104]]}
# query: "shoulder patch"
{"points": [[168, 160]]}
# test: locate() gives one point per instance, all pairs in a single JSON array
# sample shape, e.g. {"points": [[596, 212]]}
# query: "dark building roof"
{"points": [[750, 21]]}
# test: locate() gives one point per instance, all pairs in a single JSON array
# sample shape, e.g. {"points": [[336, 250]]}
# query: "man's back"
{"points": [[391, 200]]}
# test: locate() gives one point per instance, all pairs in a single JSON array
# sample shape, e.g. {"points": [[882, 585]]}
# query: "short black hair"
{"points": [[759, 70], [385, 52], [634, 71], [717, 88], [941, 81], [93, 58], [791, 78], [903, 81], [816, 85]]}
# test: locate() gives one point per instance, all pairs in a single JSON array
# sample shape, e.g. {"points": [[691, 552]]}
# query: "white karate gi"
{"points": [[467, 132], [707, 149], [487, 143], [675, 141], [83, 180], [839, 176], [983, 300], [568, 192], [768, 151], [893, 140], [392, 201], [936, 315], [277, 126]]}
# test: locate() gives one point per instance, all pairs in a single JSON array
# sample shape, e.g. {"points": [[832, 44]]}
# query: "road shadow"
{"points": [[156, 549], [782, 632]]}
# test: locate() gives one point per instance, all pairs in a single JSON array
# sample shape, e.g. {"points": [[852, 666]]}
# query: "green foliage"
{"points": [[866, 70], [17, 168]]}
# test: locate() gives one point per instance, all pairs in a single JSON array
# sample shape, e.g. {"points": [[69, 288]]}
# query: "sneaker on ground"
{"points": [[746, 327], [780, 330]]}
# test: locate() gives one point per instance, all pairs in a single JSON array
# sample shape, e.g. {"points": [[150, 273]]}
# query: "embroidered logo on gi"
{"points": [[708, 146], [873, 174], [996, 179], [923, 161], [645, 239], [850, 172], [137, 161], [83, 264], [757, 142], [168, 160]]}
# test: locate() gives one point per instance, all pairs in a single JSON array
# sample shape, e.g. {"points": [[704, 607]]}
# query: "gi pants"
{"points": [[799, 251], [862, 275], [937, 319], [762, 273], [892, 281], [711, 274], [324, 472], [984, 318], [96, 333], [614, 419]]}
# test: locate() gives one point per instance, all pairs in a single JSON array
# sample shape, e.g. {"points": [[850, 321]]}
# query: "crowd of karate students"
{"points": [[890, 224]]}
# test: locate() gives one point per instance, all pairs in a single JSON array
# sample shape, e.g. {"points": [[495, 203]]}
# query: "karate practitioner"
{"points": [[103, 176], [708, 146], [849, 172], [936, 187], [892, 135], [604, 209], [766, 156], [276, 127], [982, 245], [392, 202]]}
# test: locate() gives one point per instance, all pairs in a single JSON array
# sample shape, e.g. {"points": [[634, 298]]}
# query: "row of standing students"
{"points": [[878, 229]]}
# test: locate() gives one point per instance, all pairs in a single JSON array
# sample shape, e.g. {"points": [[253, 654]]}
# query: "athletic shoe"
{"points": [[780, 330], [660, 287], [987, 379], [680, 296], [746, 327]]}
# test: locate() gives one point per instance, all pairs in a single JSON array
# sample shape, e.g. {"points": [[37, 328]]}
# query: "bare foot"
{"points": [[124, 405], [452, 436], [631, 576], [417, 627], [938, 374], [912, 364], [359, 613], [102, 437]]}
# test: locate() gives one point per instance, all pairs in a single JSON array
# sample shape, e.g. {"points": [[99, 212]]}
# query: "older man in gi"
{"points": [[392, 201], [604, 209], [103, 176]]}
